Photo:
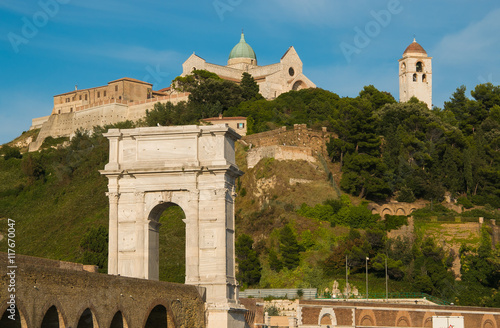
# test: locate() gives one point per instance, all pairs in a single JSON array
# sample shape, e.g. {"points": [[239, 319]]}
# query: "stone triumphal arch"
{"points": [[191, 166]]}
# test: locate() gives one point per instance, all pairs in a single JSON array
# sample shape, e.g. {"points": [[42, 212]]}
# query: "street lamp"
{"points": [[366, 262]]}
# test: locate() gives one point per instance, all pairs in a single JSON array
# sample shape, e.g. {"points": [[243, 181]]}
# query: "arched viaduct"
{"points": [[50, 297]]}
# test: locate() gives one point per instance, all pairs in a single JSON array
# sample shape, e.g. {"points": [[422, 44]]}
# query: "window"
{"points": [[116, 88], [240, 125], [85, 97], [415, 77], [424, 78], [291, 71], [80, 97], [104, 93], [419, 67], [98, 94], [403, 67]]}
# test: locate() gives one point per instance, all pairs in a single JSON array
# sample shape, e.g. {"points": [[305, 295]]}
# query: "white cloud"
{"points": [[313, 12], [477, 44]]}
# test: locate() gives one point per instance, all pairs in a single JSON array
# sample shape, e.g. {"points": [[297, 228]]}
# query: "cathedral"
{"points": [[273, 79]]}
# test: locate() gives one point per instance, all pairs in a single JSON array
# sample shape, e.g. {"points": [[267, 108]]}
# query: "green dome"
{"points": [[242, 50]]}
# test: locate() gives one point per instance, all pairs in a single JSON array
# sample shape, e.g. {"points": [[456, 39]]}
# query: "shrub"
{"points": [[272, 310], [405, 195], [11, 152], [393, 222], [465, 202]]}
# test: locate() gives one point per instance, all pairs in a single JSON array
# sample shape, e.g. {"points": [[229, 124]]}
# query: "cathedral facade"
{"points": [[273, 79]]}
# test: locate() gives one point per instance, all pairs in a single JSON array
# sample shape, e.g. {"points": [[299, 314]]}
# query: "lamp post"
{"points": [[346, 278], [366, 262], [386, 282]]}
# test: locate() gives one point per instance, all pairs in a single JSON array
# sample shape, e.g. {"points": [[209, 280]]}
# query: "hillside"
{"points": [[57, 198], [293, 229]]}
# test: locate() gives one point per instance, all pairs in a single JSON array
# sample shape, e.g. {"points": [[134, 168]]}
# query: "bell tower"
{"points": [[415, 74]]}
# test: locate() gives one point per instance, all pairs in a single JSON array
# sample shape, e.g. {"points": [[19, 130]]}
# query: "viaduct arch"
{"points": [[191, 166]]}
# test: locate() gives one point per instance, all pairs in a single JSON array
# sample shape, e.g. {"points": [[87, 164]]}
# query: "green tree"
{"points": [[33, 168], [94, 245], [10, 152], [250, 88], [190, 82], [249, 268], [376, 97], [274, 262], [289, 248], [213, 97]]}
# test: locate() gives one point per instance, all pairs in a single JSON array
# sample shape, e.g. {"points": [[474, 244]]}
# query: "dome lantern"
{"points": [[242, 53]]}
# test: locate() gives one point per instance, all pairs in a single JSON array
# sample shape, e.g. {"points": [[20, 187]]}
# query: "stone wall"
{"points": [[99, 114], [299, 143], [280, 153], [324, 313], [371, 314], [299, 136], [40, 285]]}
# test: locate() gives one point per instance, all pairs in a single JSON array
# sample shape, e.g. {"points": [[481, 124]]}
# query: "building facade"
{"points": [[273, 79]]}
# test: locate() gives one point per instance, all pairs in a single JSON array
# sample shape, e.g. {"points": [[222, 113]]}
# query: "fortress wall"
{"points": [[37, 123], [281, 153], [87, 117], [300, 136]]}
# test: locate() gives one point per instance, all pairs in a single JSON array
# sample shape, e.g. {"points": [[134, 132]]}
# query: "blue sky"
{"points": [[48, 46]]}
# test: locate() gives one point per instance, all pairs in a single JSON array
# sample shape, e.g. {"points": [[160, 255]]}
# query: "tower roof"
{"points": [[415, 48], [242, 50]]}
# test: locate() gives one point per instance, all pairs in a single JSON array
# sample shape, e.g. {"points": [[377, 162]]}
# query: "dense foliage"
{"points": [[384, 149], [249, 267]]}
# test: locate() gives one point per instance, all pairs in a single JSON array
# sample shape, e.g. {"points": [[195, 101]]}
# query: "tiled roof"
{"points": [[415, 48]]}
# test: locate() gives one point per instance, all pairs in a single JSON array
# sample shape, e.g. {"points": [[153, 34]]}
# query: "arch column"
{"points": [[195, 168], [113, 233], [192, 238]]}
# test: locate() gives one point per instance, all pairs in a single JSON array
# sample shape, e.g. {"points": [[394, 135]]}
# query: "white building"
{"points": [[415, 74], [273, 79]]}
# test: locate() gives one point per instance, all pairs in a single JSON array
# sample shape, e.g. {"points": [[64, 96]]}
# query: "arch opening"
{"points": [[168, 233], [424, 78], [298, 85], [419, 66], [87, 320], [118, 321], [157, 317], [9, 314], [52, 318], [326, 320], [415, 77]]}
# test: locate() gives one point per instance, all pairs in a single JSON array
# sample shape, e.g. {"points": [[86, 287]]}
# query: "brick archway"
{"points": [[193, 167]]}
